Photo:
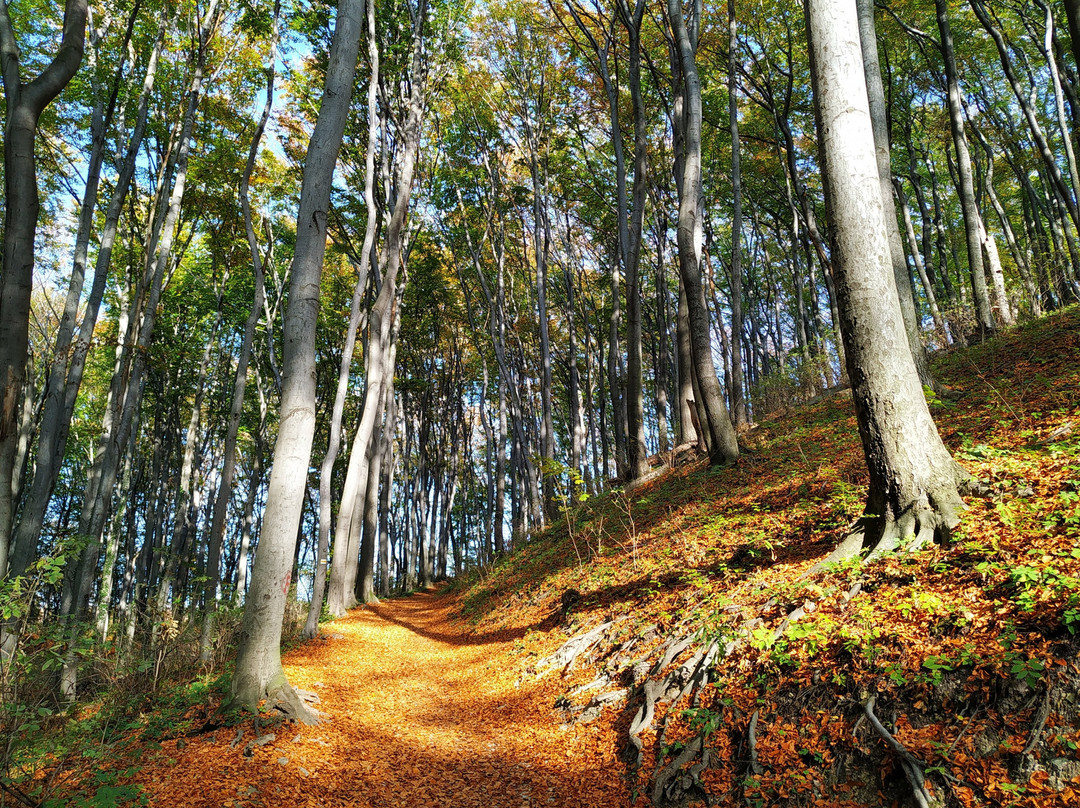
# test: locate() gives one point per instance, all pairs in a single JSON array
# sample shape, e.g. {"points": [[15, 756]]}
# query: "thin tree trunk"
{"points": [[966, 184], [326, 470], [24, 104], [720, 435], [879, 119], [221, 503]]}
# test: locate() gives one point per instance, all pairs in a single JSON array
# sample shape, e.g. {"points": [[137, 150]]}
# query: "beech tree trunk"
{"points": [[720, 434], [914, 482], [379, 359], [69, 361], [258, 662], [738, 396], [221, 503], [326, 470], [879, 120], [973, 226]]}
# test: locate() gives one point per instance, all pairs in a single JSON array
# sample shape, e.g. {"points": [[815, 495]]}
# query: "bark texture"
{"points": [[914, 482], [258, 663]]}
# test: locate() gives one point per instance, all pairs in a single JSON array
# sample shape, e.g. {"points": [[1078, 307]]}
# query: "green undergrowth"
{"points": [[959, 645]]}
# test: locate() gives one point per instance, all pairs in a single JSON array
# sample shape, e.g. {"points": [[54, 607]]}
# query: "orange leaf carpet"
{"points": [[419, 712]]}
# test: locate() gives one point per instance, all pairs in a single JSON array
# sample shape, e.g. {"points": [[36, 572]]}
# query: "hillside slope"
{"points": [[736, 675]]}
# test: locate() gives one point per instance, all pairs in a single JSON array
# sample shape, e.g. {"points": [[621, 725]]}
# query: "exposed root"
{"points": [[672, 782], [751, 742], [294, 704], [573, 648], [913, 767], [929, 517]]}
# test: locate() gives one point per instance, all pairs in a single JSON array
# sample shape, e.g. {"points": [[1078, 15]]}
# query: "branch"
{"points": [[10, 789]]}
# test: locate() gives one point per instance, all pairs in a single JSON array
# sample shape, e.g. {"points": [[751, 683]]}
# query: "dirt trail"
{"points": [[419, 712]]}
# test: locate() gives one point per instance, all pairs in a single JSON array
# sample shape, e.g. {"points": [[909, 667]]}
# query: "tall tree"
{"points": [[914, 482], [24, 103], [738, 397], [258, 659], [720, 434], [879, 118]]}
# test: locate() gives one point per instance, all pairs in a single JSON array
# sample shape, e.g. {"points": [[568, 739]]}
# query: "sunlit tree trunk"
{"points": [[232, 429], [326, 470], [914, 482], [258, 663], [738, 397], [722, 443], [879, 120], [973, 227], [70, 359]]}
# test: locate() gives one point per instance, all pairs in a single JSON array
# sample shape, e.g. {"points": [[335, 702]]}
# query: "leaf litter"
{"points": [[962, 657]]}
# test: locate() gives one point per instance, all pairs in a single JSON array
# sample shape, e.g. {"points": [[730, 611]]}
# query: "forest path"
{"points": [[418, 712]]}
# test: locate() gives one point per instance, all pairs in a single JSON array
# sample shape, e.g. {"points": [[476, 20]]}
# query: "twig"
{"points": [[19, 795], [1041, 716], [963, 729], [991, 387]]}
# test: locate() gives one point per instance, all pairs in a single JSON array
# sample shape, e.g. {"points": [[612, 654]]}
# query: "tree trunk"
{"points": [[738, 396], [258, 663], [24, 103], [637, 454], [326, 470], [379, 359], [720, 434], [232, 429], [966, 184], [914, 482], [66, 377], [879, 120]]}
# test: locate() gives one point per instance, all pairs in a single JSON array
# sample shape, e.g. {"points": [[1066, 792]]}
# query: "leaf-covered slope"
{"points": [[966, 651]]}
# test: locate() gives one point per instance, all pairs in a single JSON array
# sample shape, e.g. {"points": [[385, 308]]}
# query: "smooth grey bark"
{"points": [[637, 452], [973, 227], [916, 257], [389, 460], [379, 357], [688, 431], [24, 103], [738, 396], [326, 470], [720, 434], [366, 517], [236, 407], [126, 389], [1059, 95], [914, 482], [258, 662], [1042, 144], [627, 398], [661, 359], [1019, 257], [879, 120]]}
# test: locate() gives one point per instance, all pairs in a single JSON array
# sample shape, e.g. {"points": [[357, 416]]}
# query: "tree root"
{"points": [[577, 645], [751, 742], [294, 704], [672, 782], [912, 766]]}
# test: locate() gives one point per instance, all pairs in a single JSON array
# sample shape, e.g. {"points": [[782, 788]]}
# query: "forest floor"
{"points": [[418, 710], [676, 645]]}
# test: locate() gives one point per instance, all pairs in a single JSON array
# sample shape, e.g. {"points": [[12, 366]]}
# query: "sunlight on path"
{"points": [[418, 713]]}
